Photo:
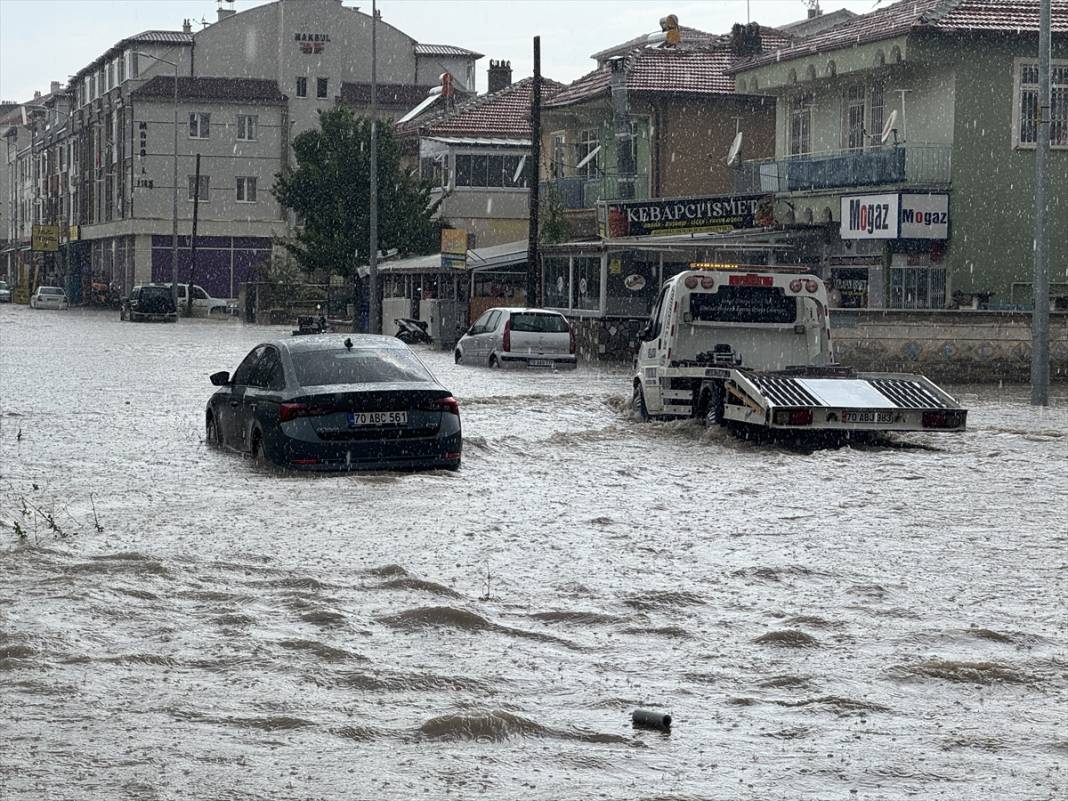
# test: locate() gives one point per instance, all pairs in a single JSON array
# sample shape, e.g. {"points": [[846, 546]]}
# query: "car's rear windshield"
{"points": [[155, 291], [743, 304], [50, 290], [357, 366], [537, 323]]}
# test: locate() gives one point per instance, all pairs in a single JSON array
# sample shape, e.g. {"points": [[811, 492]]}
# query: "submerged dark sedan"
{"points": [[336, 402]]}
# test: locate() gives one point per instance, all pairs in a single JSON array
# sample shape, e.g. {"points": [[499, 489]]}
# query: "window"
{"points": [[559, 145], [801, 124], [1025, 111], [246, 189], [122, 65], [488, 170], [321, 87], [556, 271], [919, 287], [587, 144], [878, 111], [743, 304], [87, 90], [539, 323], [358, 366], [853, 118], [302, 87], [246, 369], [205, 188], [199, 125], [247, 125], [586, 283]]}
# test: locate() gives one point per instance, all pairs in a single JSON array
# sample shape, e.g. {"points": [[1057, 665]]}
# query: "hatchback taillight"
{"points": [[506, 345]]}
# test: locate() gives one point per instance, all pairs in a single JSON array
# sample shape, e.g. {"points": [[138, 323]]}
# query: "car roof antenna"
{"points": [[348, 343]]}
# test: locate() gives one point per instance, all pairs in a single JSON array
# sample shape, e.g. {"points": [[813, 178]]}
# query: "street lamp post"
{"points": [[174, 173]]}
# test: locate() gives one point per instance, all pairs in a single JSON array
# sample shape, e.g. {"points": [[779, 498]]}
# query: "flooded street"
{"points": [[884, 622]]}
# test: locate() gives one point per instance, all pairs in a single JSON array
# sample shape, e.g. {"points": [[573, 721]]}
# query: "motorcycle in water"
{"points": [[411, 332], [312, 323]]}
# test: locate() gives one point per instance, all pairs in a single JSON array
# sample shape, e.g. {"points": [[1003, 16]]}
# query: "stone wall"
{"points": [[953, 346], [956, 346]]}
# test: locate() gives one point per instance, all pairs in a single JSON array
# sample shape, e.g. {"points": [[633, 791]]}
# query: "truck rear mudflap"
{"points": [[860, 402]]}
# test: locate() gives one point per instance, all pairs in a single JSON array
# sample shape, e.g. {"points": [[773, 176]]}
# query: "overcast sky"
{"points": [[50, 40]]}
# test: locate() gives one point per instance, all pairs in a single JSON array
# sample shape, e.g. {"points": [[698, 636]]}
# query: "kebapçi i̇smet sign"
{"points": [[684, 215]]}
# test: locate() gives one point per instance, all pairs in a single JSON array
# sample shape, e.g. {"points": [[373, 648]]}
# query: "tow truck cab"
{"points": [[712, 318]]}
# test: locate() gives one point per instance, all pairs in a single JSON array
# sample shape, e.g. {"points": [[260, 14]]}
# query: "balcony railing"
{"points": [[880, 166], [580, 192]]}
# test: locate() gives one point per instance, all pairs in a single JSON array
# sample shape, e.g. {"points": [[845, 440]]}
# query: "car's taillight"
{"points": [[449, 405], [953, 418], [571, 335], [291, 411], [793, 417], [507, 344]]}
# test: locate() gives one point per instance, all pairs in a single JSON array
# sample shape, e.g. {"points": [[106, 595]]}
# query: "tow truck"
{"points": [[752, 348]]}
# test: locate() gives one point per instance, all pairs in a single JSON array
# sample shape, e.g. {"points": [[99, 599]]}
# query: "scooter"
{"points": [[312, 324], [411, 332]]}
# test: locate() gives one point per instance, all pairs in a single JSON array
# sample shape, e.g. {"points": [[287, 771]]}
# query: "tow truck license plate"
{"points": [[867, 417], [540, 363], [357, 419]]}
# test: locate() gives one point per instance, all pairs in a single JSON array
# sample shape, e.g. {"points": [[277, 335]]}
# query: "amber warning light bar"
{"points": [[763, 268]]}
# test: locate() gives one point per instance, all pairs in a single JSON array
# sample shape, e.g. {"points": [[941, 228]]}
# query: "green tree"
{"points": [[330, 193]]}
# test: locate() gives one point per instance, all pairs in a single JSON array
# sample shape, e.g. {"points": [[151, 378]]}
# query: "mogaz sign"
{"points": [[897, 215]]}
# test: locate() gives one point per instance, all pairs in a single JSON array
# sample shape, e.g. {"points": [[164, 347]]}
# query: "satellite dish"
{"points": [[889, 128], [736, 148]]}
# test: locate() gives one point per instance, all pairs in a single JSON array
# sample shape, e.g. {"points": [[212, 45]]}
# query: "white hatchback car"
{"points": [[518, 338], [48, 297]]}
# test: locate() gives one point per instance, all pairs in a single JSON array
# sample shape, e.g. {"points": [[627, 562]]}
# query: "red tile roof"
{"points": [[504, 113], [1007, 16]]}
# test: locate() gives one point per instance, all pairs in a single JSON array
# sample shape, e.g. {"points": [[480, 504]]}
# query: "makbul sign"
{"points": [[684, 215]]}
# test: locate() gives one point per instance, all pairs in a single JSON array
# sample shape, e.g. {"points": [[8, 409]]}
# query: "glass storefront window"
{"points": [[633, 282], [586, 283], [555, 270], [917, 287]]}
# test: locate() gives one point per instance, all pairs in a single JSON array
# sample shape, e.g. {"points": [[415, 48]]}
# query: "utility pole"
{"points": [[533, 258], [193, 241], [374, 322], [1040, 314]]}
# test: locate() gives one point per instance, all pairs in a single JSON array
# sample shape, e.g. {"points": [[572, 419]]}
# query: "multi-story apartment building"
{"points": [[246, 84], [904, 152]]}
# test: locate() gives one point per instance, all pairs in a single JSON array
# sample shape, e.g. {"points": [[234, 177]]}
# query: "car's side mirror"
{"points": [[221, 378]]}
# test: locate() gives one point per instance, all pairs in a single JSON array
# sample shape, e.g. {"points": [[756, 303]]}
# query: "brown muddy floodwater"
{"points": [[877, 623]]}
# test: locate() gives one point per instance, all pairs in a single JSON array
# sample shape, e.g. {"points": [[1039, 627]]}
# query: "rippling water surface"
{"points": [[885, 622]]}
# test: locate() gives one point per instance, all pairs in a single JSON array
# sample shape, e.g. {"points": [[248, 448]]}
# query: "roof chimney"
{"points": [[36, 94], [187, 26], [225, 12], [500, 75], [814, 9], [55, 87]]}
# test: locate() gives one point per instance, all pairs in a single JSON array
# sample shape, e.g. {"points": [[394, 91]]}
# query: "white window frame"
{"points": [[1018, 65], [851, 102], [586, 142], [803, 110], [203, 124], [246, 124], [325, 84], [296, 86], [242, 186], [558, 153]]}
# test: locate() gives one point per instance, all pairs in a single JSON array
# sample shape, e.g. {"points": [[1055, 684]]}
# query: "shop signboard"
{"points": [[453, 248], [897, 215], [924, 216], [870, 216], [684, 215], [44, 239]]}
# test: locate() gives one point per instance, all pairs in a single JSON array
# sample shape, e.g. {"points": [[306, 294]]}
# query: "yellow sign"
{"points": [[73, 235], [715, 265], [45, 238], [454, 241]]}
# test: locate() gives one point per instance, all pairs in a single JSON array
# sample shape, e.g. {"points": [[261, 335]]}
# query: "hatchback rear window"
{"points": [[539, 323], [50, 290], [357, 366], [155, 292], [743, 304]]}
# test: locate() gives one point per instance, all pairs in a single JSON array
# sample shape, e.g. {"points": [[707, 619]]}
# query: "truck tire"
{"points": [[710, 405], [637, 403]]}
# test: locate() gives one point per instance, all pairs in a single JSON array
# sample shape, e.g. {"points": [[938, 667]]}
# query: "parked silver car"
{"points": [[48, 297], [5, 292], [518, 338]]}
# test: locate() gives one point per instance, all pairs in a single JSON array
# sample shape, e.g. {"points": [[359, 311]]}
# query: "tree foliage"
{"points": [[329, 190]]}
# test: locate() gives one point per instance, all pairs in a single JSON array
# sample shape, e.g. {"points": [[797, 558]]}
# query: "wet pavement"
{"points": [[880, 622]]}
